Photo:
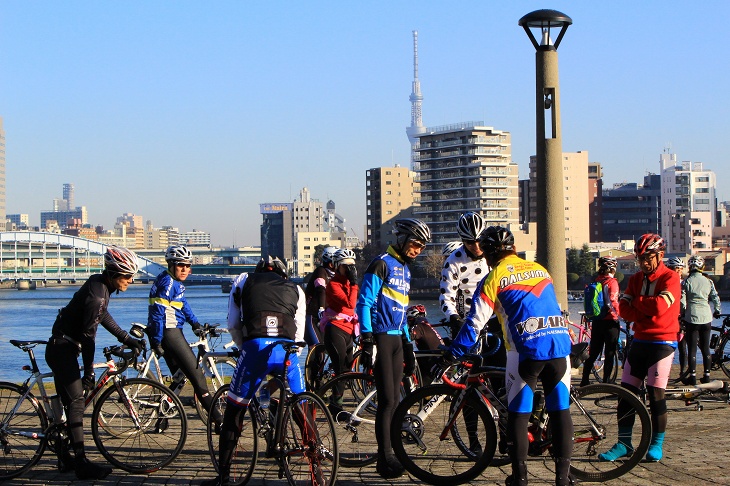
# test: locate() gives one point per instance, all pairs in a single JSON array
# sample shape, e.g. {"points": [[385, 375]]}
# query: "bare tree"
{"points": [[432, 263]]}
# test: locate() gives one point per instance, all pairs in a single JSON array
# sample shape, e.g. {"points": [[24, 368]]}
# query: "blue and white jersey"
{"points": [[168, 307]]}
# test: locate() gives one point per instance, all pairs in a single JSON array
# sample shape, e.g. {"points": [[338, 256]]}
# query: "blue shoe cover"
{"points": [[618, 451]]}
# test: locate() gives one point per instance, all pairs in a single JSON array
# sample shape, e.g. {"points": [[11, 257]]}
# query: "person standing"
{"points": [[74, 334], [263, 307], [698, 291], [316, 296], [167, 313], [604, 331], [522, 295], [381, 309], [676, 264], [651, 302]]}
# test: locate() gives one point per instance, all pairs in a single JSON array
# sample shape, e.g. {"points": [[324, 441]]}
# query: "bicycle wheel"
{"points": [[149, 424], [317, 368], [245, 455], [308, 442], [22, 439], [598, 370], [354, 417], [594, 410], [224, 367], [724, 358], [427, 442]]}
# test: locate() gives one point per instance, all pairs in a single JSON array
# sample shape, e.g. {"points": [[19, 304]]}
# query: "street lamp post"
{"points": [[549, 173]]}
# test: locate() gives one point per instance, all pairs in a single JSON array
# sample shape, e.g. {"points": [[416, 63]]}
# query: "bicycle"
{"points": [[584, 336], [138, 425], [448, 433], [297, 429], [217, 366]]}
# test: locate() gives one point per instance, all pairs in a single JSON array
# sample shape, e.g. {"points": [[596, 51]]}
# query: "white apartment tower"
{"points": [[688, 204], [464, 167]]}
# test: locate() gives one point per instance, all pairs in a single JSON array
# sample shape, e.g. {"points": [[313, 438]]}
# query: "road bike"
{"points": [[581, 333], [217, 366], [296, 429], [449, 433], [137, 424]]}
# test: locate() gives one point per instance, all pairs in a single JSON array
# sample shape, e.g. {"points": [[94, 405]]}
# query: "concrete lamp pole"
{"points": [[549, 176]]}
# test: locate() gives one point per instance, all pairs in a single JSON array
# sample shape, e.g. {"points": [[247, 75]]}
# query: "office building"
{"points": [[464, 167], [595, 201], [389, 195], [63, 212], [631, 210]]}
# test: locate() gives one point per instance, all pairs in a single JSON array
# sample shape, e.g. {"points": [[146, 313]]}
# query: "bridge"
{"points": [[39, 256]]}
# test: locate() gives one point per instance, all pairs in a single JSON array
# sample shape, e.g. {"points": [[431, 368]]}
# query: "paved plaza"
{"points": [[696, 452]]}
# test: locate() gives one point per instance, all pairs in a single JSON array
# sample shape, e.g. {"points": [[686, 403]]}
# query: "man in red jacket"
{"points": [[651, 302]]}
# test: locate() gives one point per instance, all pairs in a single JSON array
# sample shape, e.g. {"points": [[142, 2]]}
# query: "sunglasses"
{"points": [[126, 277], [417, 244], [182, 265]]}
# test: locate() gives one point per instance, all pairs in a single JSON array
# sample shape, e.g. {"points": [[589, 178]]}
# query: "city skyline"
{"points": [[192, 115]]}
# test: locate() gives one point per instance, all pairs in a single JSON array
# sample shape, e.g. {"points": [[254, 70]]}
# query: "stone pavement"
{"points": [[696, 452]]}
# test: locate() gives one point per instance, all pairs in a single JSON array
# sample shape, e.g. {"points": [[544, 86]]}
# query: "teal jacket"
{"points": [[698, 291]]}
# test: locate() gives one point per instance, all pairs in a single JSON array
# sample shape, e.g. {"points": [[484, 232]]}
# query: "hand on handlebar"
{"points": [[88, 381], [446, 360], [196, 328], [136, 345]]}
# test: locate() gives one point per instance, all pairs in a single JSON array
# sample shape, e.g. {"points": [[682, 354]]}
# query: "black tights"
{"points": [[339, 346], [62, 358], [603, 333], [698, 334], [388, 370]]}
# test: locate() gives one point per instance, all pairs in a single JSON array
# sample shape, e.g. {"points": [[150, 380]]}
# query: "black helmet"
{"points": [[496, 239], [414, 228], [271, 264], [471, 226], [608, 263]]}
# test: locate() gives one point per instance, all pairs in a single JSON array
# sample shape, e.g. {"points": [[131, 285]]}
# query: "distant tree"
{"points": [[587, 263], [433, 262], [364, 256], [573, 261], [317, 257], [573, 279]]}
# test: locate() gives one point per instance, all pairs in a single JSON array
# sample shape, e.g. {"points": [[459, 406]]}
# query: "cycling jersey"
{"points": [[341, 300], [651, 302], [698, 291], [611, 294], [315, 291], [381, 307], [265, 305], [522, 295], [168, 307], [459, 279], [81, 317]]}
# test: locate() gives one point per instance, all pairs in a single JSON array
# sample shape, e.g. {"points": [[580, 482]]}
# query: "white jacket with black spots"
{"points": [[459, 279]]}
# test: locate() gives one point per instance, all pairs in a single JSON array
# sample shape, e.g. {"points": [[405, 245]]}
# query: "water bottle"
{"points": [[264, 395]]}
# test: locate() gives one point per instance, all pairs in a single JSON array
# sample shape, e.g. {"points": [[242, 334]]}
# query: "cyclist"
{"points": [[462, 271], [167, 313], [522, 295], [425, 337], [381, 309], [698, 291], [450, 247], [677, 264], [339, 320], [74, 333], [315, 293], [651, 302], [604, 331], [263, 307]]}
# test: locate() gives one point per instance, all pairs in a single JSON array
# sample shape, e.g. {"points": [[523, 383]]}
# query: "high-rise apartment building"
{"points": [[464, 167], [688, 204], [631, 210], [388, 196], [3, 211], [575, 192], [595, 201]]}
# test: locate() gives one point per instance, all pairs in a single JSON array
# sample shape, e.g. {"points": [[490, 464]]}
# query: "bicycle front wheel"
{"points": [[724, 358], [218, 377], [352, 401], [22, 438], [308, 442], [596, 411], [317, 368], [428, 440], [148, 422]]}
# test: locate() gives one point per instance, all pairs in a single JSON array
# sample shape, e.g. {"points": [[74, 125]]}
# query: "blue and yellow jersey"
{"points": [[522, 295], [168, 307]]}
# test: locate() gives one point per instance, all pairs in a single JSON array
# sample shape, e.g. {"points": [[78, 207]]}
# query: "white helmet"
{"points": [[471, 226], [344, 256], [328, 254], [450, 247], [179, 254], [119, 260], [696, 261]]}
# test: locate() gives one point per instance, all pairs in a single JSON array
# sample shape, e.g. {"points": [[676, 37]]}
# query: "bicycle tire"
{"points": [[22, 437], [354, 419], [316, 367], [597, 370], [419, 448], [596, 404], [309, 442], [245, 455], [157, 438], [225, 367], [724, 359]]}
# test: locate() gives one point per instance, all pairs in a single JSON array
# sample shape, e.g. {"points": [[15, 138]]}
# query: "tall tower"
{"points": [[416, 98], [2, 176]]}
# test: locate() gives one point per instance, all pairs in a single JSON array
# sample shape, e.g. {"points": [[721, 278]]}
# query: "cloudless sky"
{"points": [[192, 113]]}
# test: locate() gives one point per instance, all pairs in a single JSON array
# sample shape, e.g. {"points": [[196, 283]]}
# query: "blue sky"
{"points": [[192, 113]]}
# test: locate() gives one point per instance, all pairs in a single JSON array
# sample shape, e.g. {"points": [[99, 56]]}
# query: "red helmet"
{"points": [[415, 311], [648, 244]]}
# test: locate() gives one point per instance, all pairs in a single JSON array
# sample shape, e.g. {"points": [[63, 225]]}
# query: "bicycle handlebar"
{"points": [[127, 355]]}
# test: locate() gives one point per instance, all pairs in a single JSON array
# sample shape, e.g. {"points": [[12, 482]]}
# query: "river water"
{"points": [[29, 315]]}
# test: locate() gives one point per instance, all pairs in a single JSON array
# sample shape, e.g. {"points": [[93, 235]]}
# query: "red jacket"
{"points": [[651, 302], [341, 300]]}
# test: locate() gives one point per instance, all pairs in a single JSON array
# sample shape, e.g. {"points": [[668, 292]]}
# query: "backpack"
{"points": [[594, 301]]}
